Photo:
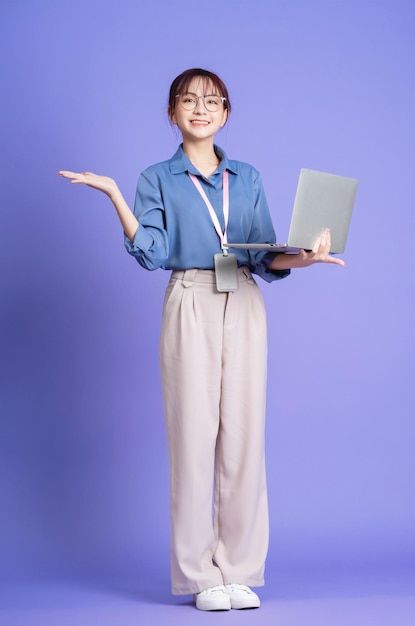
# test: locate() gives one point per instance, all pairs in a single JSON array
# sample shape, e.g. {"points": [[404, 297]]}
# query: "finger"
{"points": [[331, 259], [316, 244], [322, 247], [328, 238], [68, 173], [327, 242]]}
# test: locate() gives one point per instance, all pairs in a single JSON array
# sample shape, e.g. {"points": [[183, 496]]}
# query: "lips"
{"points": [[201, 122]]}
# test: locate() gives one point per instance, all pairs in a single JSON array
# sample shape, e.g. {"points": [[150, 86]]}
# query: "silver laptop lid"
{"points": [[322, 200]]}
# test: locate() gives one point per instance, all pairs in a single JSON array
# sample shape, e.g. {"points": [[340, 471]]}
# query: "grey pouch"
{"points": [[226, 266]]}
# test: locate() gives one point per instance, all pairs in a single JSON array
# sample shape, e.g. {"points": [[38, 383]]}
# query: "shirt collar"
{"points": [[180, 162]]}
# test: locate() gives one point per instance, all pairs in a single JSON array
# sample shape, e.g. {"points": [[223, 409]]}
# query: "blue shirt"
{"points": [[175, 228]]}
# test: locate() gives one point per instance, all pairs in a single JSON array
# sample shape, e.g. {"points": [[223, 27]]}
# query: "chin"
{"points": [[197, 135]]}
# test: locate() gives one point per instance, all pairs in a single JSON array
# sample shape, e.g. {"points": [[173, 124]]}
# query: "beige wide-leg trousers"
{"points": [[213, 363]]}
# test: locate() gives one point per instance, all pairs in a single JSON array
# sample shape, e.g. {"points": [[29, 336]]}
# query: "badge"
{"points": [[226, 266]]}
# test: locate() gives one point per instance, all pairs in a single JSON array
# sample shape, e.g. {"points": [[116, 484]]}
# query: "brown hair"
{"points": [[183, 80]]}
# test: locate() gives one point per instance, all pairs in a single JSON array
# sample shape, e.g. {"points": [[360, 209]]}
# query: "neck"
{"points": [[201, 152]]}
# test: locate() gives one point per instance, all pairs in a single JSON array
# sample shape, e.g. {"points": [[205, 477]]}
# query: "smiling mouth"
{"points": [[199, 122]]}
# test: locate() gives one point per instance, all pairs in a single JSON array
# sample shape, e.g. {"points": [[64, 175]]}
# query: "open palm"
{"points": [[320, 251], [103, 183]]}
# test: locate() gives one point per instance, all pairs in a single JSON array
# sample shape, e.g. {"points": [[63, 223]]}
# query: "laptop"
{"points": [[322, 200]]}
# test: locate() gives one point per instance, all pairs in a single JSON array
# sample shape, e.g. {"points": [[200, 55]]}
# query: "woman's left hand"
{"points": [[320, 251]]}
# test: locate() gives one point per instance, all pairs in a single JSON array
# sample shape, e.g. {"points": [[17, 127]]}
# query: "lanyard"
{"points": [[225, 185]]}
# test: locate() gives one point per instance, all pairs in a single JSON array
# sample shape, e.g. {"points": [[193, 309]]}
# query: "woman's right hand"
{"points": [[103, 183]]}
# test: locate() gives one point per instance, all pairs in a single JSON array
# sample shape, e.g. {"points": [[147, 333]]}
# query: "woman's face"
{"points": [[183, 117]]}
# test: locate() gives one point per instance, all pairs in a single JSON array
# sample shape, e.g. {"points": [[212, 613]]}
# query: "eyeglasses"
{"points": [[190, 100]]}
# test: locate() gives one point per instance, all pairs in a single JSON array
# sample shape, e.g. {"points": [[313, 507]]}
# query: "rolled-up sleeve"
{"points": [[150, 244], [262, 231]]}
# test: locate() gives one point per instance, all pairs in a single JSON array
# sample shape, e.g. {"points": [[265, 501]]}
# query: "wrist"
{"points": [[114, 192], [305, 259]]}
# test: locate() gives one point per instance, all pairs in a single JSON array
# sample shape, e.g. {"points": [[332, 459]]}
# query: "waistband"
{"points": [[208, 276]]}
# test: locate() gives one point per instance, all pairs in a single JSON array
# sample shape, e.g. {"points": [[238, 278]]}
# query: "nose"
{"points": [[200, 106]]}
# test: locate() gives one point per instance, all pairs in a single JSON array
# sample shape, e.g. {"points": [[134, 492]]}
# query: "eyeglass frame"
{"points": [[198, 98]]}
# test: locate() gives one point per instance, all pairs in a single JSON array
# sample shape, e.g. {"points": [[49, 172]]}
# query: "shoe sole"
{"points": [[254, 605], [211, 608]]}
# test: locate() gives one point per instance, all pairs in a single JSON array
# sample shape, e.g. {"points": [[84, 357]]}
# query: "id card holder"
{"points": [[226, 266]]}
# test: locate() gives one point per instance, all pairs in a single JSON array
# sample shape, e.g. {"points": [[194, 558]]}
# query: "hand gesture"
{"points": [[320, 251], [103, 183]]}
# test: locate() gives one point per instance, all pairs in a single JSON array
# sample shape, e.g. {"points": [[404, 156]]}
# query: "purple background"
{"points": [[84, 466]]}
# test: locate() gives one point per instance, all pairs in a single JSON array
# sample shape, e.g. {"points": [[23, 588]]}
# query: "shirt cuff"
{"points": [[142, 241], [269, 274]]}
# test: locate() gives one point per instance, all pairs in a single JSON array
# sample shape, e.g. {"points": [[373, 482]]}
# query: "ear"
{"points": [[224, 117]]}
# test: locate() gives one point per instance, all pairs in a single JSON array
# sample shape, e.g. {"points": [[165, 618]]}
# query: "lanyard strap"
{"points": [[225, 184]]}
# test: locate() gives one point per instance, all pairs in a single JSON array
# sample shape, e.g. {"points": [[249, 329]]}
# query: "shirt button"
{"points": [[187, 283]]}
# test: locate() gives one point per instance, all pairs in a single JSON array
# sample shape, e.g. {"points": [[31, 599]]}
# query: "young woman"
{"points": [[213, 343]]}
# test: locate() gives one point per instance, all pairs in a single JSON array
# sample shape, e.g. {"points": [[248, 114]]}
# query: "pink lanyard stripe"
{"points": [[225, 185]]}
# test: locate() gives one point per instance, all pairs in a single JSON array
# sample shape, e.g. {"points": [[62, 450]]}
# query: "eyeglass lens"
{"points": [[189, 100]]}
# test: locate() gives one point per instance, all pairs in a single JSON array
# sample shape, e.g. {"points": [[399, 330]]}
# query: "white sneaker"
{"points": [[213, 599], [242, 597]]}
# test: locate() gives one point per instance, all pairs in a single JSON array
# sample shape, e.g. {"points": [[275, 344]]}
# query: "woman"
{"points": [[213, 343]]}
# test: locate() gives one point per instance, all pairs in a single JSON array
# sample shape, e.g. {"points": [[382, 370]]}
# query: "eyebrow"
{"points": [[192, 93]]}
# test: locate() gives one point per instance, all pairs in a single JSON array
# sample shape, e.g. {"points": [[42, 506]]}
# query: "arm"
{"points": [[145, 234], [281, 260], [127, 218]]}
